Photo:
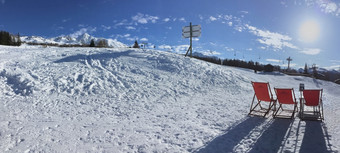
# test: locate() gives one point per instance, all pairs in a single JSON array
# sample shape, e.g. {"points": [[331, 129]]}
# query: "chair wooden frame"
{"points": [[262, 93], [285, 96], [311, 98]]}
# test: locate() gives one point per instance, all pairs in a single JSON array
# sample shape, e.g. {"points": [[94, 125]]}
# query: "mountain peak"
{"points": [[81, 39]]}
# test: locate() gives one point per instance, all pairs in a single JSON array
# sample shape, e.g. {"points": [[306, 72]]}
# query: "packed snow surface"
{"points": [[132, 100]]}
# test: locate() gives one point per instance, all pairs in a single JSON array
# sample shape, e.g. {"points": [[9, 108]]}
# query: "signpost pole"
{"points": [[190, 40], [189, 32]]}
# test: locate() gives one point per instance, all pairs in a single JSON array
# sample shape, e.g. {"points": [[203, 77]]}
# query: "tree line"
{"points": [[257, 67], [8, 39]]}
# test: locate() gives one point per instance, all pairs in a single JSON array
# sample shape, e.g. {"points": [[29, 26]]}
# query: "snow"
{"points": [[83, 39], [131, 100]]}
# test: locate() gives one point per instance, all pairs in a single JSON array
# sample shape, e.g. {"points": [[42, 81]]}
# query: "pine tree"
{"points": [[102, 43], [135, 45], [5, 38], [18, 43], [305, 71], [92, 43]]}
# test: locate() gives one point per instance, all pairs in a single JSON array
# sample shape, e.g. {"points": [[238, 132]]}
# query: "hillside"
{"points": [[129, 100]]}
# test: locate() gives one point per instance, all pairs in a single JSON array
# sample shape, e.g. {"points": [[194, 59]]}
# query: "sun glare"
{"points": [[309, 31]]}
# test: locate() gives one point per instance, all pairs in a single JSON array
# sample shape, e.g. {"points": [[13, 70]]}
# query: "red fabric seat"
{"points": [[285, 96], [312, 98], [262, 94]]}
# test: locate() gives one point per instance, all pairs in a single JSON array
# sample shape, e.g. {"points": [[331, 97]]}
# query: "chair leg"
{"points": [[295, 107], [251, 107], [269, 108], [322, 111], [275, 113]]}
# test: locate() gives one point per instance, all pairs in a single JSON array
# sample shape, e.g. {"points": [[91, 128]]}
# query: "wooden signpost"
{"points": [[189, 32]]}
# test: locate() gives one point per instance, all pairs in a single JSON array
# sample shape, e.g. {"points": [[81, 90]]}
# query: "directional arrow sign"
{"points": [[194, 28], [194, 34]]}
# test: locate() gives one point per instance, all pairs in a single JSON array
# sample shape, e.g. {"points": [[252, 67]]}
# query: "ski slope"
{"points": [[132, 100]]}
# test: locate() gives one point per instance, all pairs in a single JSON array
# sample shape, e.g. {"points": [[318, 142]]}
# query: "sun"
{"points": [[309, 31]]}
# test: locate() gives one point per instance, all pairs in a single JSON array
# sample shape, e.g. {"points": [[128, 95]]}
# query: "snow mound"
{"points": [[132, 100]]}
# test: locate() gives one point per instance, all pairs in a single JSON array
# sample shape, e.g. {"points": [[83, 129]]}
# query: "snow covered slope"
{"points": [[129, 100], [83, 39]]}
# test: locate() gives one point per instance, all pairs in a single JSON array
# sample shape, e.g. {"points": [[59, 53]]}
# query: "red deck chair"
{"points": [[285, 97], [312, 99], [264, 96]]}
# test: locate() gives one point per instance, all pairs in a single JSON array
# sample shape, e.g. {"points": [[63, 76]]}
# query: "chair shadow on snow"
{"points": [[314, 139], [99, 56], [273, 138], [227, 141]]}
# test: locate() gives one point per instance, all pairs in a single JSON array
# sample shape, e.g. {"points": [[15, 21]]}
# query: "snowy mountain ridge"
{"points": [[83, 39]]}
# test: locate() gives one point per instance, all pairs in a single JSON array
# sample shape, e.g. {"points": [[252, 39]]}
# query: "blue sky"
{"points": [[258, 30]]}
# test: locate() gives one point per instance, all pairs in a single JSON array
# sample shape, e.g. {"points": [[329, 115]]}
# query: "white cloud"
{"points": [[228, 17], [105, 28], [311, 51], [271, 39], [65, 20], [182, 19], [210, 53], [144, 39], [229, 49], [230, 23], [328, 7], [273, 60], [130, 28], [211, 18], [239, 28], [123, 36], [165, 47], [121, 23], [244, 12], [83, 30], [333, 67], [201, 17], [335, 61], [166, 19], [195, 39], [144, 18], [181, 48], [131, 39]]}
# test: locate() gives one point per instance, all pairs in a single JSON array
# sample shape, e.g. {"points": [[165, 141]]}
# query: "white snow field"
{"points": [[129, 100]]}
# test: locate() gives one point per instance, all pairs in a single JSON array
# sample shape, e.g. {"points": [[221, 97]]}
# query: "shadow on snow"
{"points": [[273, 137], [227, 141], [99, 56], [314, 139]]}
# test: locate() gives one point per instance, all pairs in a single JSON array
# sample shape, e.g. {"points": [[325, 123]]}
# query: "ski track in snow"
{"points": [[131, 100]]}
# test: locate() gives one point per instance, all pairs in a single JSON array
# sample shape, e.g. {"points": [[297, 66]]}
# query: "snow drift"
{"points": [[130, 100]]}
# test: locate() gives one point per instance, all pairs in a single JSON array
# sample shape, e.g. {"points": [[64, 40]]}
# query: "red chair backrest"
{"points": [[312, 97], [285, 96], [262, 91]]}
